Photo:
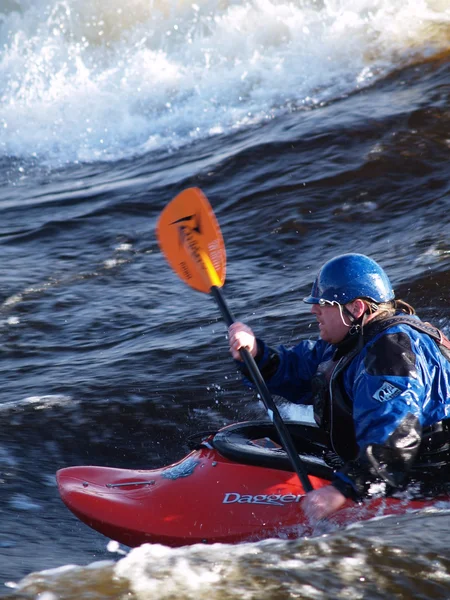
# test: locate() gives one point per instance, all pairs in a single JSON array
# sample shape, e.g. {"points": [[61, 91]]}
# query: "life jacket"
{"points": [[333, 409]]}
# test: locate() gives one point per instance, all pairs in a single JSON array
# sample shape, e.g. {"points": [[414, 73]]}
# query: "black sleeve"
{"points": [[267, 359]]}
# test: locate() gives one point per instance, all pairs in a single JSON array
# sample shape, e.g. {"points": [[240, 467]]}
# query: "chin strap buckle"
{"points": [[355, 329]]}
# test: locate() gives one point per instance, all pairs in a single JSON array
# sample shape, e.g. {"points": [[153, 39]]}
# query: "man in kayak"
{"points": [[378, 379]]}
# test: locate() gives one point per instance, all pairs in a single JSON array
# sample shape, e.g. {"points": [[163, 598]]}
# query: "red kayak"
{"points": [[235, 486]]}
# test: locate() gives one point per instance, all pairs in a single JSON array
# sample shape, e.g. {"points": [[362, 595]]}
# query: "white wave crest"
{"points": [[87, 80]]}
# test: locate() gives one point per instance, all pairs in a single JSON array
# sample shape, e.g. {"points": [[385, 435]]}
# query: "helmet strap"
{"points": [[348, 314], [357, 323]]}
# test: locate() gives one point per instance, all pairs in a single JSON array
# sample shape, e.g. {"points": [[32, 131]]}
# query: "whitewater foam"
{"points": [[89, 80]]}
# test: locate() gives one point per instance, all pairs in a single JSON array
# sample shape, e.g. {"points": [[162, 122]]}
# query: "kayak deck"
{"points": [[207, 497]]}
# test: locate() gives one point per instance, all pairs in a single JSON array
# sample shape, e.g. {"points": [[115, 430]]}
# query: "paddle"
{"points": [[190, 237]]}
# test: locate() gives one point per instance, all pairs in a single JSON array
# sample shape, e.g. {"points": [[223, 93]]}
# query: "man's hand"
{"points": [[241, 336], [323, 502]]}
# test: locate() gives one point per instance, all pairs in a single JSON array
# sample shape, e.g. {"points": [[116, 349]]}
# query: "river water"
{"points": [[315, 128]]}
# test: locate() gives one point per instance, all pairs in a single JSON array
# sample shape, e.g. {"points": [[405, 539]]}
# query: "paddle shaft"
{"points": [[252, 367]]}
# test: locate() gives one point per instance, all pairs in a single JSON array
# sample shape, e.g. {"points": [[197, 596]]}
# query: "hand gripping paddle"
{"points": [[190, 238]]}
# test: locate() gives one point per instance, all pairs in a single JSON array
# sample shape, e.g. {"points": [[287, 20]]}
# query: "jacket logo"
{"points": [[386, 392]]}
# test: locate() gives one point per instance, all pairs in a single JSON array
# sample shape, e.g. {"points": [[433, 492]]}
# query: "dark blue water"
{"points": [[307, 145]]}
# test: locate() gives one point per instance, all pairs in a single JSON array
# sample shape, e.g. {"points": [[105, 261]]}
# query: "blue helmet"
{"points": [[350, 276]]}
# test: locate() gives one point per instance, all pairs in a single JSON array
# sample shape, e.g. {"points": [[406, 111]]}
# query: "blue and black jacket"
{"points": [[382, 396]]}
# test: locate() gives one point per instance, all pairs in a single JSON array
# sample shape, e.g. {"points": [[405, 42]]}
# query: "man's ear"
{"points": [[357, 308]]}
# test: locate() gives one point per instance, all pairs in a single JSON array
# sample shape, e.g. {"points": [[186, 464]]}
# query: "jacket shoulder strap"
{"points": [[421, 326]]}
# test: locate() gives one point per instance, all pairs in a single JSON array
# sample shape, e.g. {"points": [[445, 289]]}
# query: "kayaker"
{"points": [[378, 379]]}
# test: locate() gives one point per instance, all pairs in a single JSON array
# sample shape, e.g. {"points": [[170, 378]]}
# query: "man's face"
{"points": [[333, 326]]}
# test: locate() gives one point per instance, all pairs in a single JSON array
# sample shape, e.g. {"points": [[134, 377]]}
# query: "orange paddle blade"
{"points": [[190, 237]]}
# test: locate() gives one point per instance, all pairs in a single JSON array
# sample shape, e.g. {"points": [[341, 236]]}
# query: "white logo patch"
{"points": [[386, 392]]}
